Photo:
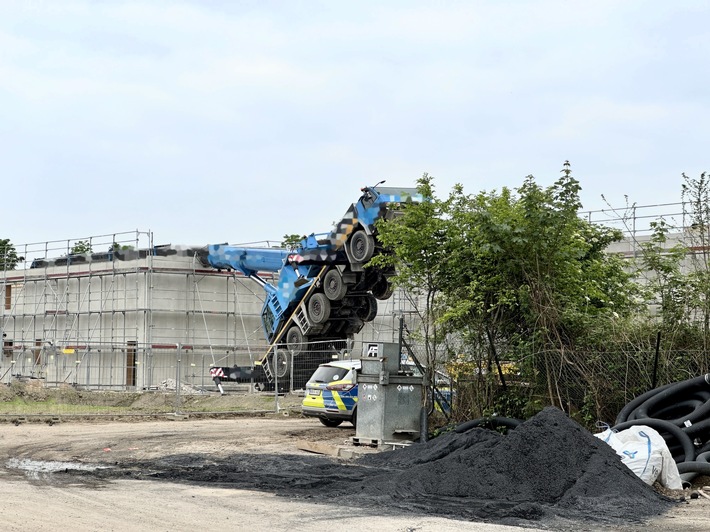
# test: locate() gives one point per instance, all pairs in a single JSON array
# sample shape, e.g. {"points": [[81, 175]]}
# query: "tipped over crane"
{"points": [[324, 291]]}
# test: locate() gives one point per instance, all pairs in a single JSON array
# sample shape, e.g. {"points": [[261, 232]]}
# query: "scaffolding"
{"points": [[111, 296], [115, 311]]}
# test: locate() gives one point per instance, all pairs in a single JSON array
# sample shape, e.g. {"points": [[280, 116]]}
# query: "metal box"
{"points": [[389, 403]]}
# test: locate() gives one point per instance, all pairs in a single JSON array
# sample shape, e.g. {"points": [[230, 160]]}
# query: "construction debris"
{"points": [[169, 385]]}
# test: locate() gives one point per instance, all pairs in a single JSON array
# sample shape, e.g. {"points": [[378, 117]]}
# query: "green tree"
{"points": [[696, 207], [531, 279], [512, 273], [415, 247], [81, 247], [664, 281], [674, 268], [8, 255]]}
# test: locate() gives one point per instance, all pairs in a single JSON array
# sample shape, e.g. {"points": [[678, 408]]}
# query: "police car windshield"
{"points": [[329, 374]]}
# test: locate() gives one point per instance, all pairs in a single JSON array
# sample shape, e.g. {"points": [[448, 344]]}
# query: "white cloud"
{"points": [[303, 100]]}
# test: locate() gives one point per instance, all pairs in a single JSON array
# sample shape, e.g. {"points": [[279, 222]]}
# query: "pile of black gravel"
{"points": [[548, 467], [548, 473]]}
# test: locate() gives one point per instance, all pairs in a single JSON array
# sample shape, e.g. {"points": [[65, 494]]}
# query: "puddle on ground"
{"points": [[43, 471]]}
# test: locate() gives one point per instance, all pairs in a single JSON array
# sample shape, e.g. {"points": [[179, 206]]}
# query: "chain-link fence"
{"points": [[599, 384], [591, 386], [134, 379]]}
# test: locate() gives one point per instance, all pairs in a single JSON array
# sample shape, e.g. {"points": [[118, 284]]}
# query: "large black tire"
{"points": [[330, 422], [368, 309], [294, 340], [334, 287], [382, 289], [353, 420], [318, 308], [362, 246], [283, 362]]}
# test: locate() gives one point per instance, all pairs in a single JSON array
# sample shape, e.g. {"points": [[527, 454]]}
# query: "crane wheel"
{"points": [[382, 289], [318, 308], [362, 246], [282, 364], [294, 340], [333, 285], [368, 310]]}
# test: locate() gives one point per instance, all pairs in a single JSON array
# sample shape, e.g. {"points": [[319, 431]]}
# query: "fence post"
{"points": [[655, 361], [275, 358], [178, 355]]}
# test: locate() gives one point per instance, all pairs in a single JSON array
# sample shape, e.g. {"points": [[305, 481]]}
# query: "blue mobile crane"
{"points": [[324, 291]]}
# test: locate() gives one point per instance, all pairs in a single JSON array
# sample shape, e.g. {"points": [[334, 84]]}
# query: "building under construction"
{"points": [[119, 312], [127, 314]]}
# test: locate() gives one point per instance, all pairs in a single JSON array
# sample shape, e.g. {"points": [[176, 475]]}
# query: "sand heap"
{"points": [[548, 467]]}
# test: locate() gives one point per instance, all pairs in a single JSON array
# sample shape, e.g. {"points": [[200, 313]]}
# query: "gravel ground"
{"points": [[238, 473]]}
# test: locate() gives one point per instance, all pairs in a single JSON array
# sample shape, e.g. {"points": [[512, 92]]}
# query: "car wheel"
{"points": [[330, 422], [353, 420]]}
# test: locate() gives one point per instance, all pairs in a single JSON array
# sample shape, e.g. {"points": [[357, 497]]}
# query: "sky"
{"points": [[243, 121]]}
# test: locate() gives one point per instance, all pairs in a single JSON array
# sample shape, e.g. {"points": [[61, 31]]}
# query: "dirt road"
{"points": [[236, 474]]}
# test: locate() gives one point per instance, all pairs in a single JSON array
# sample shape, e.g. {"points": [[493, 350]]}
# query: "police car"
{"points": [[331, 393]]}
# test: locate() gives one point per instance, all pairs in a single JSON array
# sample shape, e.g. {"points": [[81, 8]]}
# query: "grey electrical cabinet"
{"points": [[389, 400]]}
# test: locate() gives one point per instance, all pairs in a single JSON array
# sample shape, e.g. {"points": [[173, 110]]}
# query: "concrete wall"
{"points": [[116, 324]]}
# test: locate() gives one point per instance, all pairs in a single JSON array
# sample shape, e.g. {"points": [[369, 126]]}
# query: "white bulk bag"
{"points": [[645, 452]]}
